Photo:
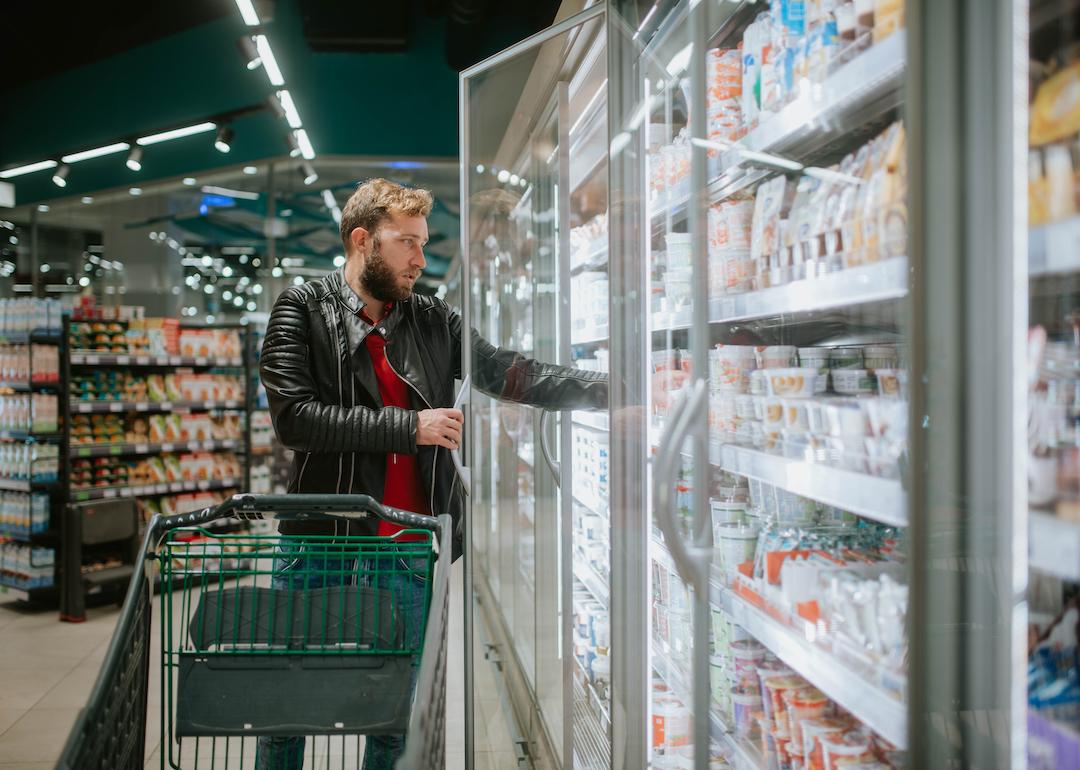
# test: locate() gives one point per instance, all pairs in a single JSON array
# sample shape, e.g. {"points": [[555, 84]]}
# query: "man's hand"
{"points": [[439, 427]]}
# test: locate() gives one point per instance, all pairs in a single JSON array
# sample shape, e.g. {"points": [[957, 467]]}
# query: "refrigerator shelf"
{"points": [[590, 335], [153, 448], [595, 505], [855, 690], [878, 282], [873, 497], [593, 257], [122, 407], [593, 420], [588, 577], [1054, 545], [592, 723], [1054, 248], [92, 358]]}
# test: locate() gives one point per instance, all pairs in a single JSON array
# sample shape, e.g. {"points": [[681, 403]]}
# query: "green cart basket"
{"points": [[287, 646]]}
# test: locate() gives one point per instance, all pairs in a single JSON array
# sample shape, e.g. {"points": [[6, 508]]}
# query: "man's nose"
{"points": [[420, 260]]}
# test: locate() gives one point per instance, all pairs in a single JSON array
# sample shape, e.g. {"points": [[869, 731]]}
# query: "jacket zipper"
{"points": [[435, 461]]}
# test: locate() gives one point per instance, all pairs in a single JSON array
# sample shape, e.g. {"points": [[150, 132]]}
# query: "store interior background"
{"points": [[206, 235]]}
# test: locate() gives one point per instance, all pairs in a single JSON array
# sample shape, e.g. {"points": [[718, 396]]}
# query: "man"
{"points": [[359, 372]]}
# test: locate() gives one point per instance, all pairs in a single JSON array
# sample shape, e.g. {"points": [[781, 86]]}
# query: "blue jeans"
{"points": [[297, 570]]}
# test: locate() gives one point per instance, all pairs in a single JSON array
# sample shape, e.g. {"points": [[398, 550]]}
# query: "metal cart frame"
{"points": [[110, 732]]}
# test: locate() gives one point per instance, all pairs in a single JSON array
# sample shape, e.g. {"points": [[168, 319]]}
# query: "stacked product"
{"points": [[114, 385], [38, 463], [23, 316], [113, 471], [26, 567], [588, 240], [1054, 693], [23, 364], [22, 514], [1054, 131], [169, 505], [1053, 430], [35, 413]]}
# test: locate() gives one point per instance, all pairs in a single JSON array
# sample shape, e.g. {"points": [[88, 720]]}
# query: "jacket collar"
{"points": [[354, 304]]}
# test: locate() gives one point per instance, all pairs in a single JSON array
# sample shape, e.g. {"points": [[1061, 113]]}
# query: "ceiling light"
{"points": [[209, 318], [134, 159], [135, 191], [226, 295], [247, 12], [251, 306], [307, 171], [256, 289], [189, 181], [251, 55], [277, 272], [43, 208], [226, 271], [60, 177], [328, 199], [273, 72], [87, 199], [294, 148], [238, 301], [228, 191], [514, 179], [176, 133], [28, 169], [249, 170], [208, 289], [97, 152], [223, 142], [285, 212], [287, 104], [255, 262], [339, 260], [84, 281], [298, 280], [304, 143], [504, 175], [479, 168], [207, 260], [336, 214]]}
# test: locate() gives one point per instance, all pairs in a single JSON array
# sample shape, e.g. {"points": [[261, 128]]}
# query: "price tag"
{"points": [[142, 407], [116, 406], [166, 406], [204, 485], [84, 408], [93, 359], [82, 452], [209, 404], [142, 360], [175, 360], [200, 361], [142, 449], [115, 450], [207, 445], [123, 360], [176, 486], [167, 447], [110, 493], [81, 496]]}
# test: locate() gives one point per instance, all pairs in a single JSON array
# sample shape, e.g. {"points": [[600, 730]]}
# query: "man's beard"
{"points": [[379, 279]]}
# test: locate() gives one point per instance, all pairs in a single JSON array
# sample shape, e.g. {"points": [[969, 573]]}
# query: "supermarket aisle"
{"points": [[47, 670]]}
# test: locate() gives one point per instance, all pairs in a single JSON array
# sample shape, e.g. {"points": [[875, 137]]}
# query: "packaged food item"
{"points": [[849, 745], [745, 704], [736, 544], [790, 382], [813, 730], [888, 18], [803, 705], [1060, 194]]}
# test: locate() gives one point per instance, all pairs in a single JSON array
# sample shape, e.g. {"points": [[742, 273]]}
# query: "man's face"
{"points": [[396, 258]]}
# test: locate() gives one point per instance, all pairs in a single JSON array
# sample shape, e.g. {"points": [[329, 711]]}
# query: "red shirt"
{"points": [[403, 488]]}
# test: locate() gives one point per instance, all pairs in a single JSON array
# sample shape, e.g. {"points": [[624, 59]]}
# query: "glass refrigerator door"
{"points": [[1053, 451], [770, 155], [535, 193]]}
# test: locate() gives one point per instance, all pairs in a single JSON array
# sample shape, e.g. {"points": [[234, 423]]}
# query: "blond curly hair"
{"points": [[376, 200]]}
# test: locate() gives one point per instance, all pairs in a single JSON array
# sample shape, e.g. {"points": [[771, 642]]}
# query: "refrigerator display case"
{"points": [[534, 182], [1053, 372], [767, 158]]}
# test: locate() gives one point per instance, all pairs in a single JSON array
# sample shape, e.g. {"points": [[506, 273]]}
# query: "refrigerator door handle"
{"points": [[463, 471], [682, 425], [552, 464]]}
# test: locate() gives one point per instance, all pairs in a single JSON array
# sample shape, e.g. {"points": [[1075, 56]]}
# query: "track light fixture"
{"points": [[134, 159], [223, 142], [307, 171], [60, 177]]}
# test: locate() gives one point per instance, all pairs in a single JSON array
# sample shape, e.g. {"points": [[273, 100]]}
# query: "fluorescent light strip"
{"points": [[247, 12], [287, 104], [328, 199], [336, 214], [273, 72], [28, 169], [243, 194], [304, 143], [108, 149], [176, 133]]}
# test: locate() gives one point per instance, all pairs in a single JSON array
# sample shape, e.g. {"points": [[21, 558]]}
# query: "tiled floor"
{"points": [[47, 669]]}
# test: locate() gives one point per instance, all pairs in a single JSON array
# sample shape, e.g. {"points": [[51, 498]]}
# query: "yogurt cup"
{"points": [[813, 730], [776, 357], [853, 382], [775, 687], [746, 654], [743, 707], [790, 382], [879, 356], [736, 544], [766, 670], [802, 705], [849, 357], [849, 745]]}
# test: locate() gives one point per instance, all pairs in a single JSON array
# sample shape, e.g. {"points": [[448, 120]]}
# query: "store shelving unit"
{"points": [[592, 723], [126, 407], [153, 448], [588, 577], [135, 361], [150, 490], [48, 537]]}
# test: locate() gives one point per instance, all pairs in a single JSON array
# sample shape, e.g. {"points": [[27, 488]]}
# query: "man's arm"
{"points": [[510, 376], [302, 421]]}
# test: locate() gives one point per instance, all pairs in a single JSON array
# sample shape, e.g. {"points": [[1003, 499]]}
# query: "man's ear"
{"points": [[360, 239]]}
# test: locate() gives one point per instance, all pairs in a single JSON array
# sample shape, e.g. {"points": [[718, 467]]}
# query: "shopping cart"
{"points": [[289, 647]]}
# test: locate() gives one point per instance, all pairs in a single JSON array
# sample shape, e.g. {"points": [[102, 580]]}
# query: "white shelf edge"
{"points": [[1054, 545], [588, 577], [877, 282], [1054, 248], [872, 497], [872, 704]]}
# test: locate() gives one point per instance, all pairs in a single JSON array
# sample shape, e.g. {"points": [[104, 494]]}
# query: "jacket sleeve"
{"points": [[510, 376], [301, 420]]}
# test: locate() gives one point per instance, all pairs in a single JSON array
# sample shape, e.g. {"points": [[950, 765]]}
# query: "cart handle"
{"points": [[296, 508]]}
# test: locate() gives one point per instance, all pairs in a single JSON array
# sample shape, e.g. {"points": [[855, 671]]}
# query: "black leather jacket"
{"points": [[325, 403]]}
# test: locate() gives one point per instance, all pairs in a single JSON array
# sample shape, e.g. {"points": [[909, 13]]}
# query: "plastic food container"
{"points": [[790, 382], [892, 383], [768, 743], [879, 357], [853, 382], [796, 419], [730, 367], [746, 655], [775, 688], [813, 730], [736, 544], [726, 514], [845, 418], [850, 745], [802, 705], [767, 670], [846, 358], [743, 707], [777, 357]]}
